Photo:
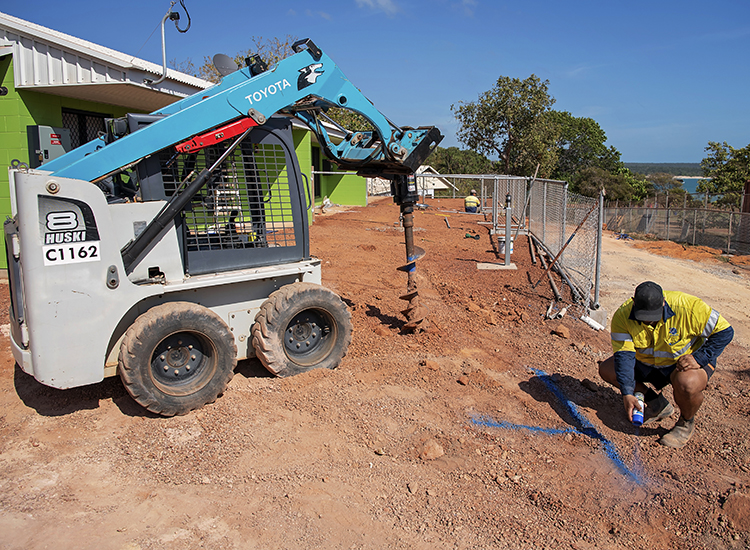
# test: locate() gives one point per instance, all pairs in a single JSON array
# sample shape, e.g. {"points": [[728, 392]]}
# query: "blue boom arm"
{"points": [[304, 85]]}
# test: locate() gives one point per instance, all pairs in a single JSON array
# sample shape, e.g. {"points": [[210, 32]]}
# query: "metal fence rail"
{"points": [[547, 210], [721, 229]]}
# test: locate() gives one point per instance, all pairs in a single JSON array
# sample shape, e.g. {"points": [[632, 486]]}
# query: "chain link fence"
{"points": [[721, 229], [569, 226], [563, 223]]}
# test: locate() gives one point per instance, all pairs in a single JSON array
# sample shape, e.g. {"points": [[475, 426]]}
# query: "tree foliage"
{"points": [[508, 122], [580, 144], [270, 50], [592, 179], [674, 168], [515, 123], [459, 161], [729, 169]]}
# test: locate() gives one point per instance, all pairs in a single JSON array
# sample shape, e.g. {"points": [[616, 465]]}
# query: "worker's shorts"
{"points": [[472, 209], [660, 378]]}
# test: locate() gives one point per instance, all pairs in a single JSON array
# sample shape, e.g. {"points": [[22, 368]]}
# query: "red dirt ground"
{"points": [[490, 431]]}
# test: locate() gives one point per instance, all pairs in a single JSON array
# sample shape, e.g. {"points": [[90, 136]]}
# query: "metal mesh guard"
{"points": [[246, 204]]}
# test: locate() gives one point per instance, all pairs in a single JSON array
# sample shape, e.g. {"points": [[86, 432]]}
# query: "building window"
{"points": [[84, 126]]}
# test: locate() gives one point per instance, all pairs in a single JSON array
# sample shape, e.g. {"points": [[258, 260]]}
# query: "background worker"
{"points": [[471, 202], [664, 338]]}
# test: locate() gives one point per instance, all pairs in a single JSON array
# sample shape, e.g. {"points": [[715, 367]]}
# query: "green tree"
{"points": [[640, 187], [620, 185], [453, 160], [592, 179], [664, 185], [729, 169], [508, 122], [581, 144], [271, 50]]}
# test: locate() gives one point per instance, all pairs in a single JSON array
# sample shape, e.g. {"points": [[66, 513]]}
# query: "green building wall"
{"points": [[348, 189], [303, 148], [22, 108]]}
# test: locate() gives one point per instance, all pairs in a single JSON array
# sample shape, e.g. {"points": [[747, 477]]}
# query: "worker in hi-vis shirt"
{"points": [[661, 338]]}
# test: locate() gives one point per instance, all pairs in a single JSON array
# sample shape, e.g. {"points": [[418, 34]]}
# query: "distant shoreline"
{"points": [[681, 169]]}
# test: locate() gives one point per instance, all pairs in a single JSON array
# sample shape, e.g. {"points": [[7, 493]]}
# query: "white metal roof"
{"points": [[53, 62], [428, 182]]}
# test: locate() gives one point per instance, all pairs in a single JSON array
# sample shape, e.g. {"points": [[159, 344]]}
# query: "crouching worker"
{"points": [[661, 338], [471, 202]]}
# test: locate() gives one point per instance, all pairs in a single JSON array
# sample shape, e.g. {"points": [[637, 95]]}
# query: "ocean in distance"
{"points": [[690, 184]]}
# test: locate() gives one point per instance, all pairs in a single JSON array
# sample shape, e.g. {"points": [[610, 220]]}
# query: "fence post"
{"points": [[684, 212], [598, 268], [667, 216], [695, 223], [564, 227], [630, 216], [544, 214], [729, 235]]}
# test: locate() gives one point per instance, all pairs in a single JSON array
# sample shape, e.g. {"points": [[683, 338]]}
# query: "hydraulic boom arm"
{"points": [[303, 85]]}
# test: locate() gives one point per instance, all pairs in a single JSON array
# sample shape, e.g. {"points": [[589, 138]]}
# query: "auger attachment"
{"points": [[404, 191]]}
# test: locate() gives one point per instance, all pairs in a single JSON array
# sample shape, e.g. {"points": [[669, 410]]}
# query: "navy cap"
{"points": [[648, 302]]}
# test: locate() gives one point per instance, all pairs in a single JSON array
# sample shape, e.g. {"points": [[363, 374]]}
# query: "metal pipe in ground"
{"points": [[555, 290]]}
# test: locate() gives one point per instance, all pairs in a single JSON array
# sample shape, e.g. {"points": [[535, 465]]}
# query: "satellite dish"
{"points": [[224, 64]]}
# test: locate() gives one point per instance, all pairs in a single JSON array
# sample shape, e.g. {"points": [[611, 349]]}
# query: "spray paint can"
{"points": [[638, 415]]}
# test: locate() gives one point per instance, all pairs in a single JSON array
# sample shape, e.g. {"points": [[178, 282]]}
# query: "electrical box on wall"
{"points": [[47, 143]]}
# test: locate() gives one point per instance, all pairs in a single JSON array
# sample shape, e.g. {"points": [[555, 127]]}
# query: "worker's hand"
{"points": [[687, 362], [630, 403]]}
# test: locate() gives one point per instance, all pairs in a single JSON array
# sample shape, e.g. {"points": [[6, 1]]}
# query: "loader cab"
{"points": [[251, 212]]}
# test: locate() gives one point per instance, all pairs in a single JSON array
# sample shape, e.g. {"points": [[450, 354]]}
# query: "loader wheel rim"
{"points": [[310, 336], [182, 363]]}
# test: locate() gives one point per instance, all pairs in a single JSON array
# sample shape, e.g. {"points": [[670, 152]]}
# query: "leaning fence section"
{"points": [[720, 229], [569, 227]]}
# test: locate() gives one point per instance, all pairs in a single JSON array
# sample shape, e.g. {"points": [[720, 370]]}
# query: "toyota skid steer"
{"points": [[177, 244]]}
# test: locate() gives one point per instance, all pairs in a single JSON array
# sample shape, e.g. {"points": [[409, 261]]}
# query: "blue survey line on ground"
{"points": [[491, 423], [586, 428]]}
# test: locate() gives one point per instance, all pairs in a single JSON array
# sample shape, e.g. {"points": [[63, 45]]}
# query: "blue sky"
{"points": [[662, 78]]}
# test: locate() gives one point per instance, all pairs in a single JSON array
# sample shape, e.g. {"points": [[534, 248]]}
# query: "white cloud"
{"points": [[468, 7], [321, 14], [386, 6]]}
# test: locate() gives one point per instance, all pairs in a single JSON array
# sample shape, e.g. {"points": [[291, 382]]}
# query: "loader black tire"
{"points": [[301, 326], [177, 357]]}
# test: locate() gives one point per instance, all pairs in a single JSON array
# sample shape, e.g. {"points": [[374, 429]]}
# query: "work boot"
{"points": [[656, 409], [680, 434]]}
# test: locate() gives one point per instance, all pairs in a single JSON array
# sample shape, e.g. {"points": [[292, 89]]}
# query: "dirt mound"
{"points": [[676, 250]]}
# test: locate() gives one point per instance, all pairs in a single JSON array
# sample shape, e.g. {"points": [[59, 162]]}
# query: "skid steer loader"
{"points": [[177, 244]]}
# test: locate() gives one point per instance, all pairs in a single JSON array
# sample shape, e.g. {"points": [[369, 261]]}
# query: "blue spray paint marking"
{"points": [[490, 423], [586, 428]]}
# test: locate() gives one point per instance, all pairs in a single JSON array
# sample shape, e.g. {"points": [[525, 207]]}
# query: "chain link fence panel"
{"points": [[568, 225], [721, 229], [565, 224]]}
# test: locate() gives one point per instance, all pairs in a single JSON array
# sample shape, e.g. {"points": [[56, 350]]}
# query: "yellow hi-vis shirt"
{"points": [[686, 324], [471, 200]]}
